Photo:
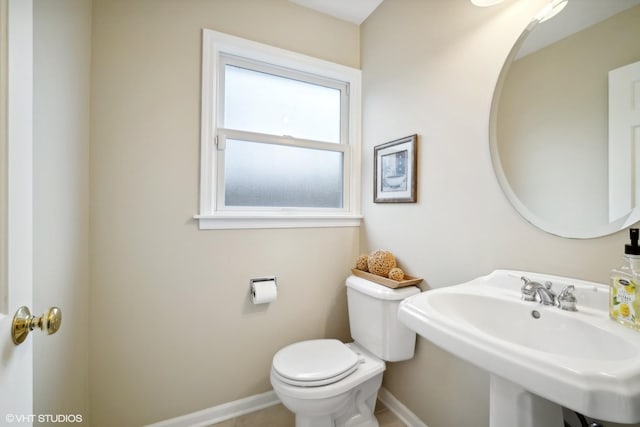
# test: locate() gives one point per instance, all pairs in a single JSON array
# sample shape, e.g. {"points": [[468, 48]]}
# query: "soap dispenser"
{"points": [[624, 300]]}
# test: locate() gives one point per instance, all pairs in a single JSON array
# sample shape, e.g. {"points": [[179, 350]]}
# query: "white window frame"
{"points": [[213, 214]]}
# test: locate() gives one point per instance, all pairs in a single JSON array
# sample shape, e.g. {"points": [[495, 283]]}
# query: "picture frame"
{"points": [[395, 169]]}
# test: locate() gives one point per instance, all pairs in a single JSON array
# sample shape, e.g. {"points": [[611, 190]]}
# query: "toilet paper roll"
{"points": [[264, 292]]}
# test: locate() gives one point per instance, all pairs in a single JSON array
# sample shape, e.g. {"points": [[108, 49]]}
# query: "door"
{"points": [[624, 138], [16, 362]]}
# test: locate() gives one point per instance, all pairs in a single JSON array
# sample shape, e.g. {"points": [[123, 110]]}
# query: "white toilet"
{"points": [[327, 383]]}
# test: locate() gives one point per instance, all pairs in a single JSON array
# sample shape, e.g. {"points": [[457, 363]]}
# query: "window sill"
{"points": [[235, 221]]}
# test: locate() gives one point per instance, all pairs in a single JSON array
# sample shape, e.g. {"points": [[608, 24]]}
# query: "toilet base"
{"points": [[356, 409]]}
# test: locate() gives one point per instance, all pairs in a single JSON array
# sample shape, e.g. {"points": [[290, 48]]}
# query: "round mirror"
{"points": [[564, 133]]}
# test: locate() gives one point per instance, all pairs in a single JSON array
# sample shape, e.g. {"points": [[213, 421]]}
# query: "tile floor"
{"points": [[279, 416]]}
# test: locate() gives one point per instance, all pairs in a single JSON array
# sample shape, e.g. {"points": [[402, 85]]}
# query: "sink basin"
{"points": [[580, 360], [549, 331]]}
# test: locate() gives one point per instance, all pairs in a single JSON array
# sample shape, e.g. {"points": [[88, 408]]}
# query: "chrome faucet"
{"points": [[544, 292]]}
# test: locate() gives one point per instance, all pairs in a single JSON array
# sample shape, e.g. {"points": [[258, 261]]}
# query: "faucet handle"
{"points": [[567, 300], [528, 289]]}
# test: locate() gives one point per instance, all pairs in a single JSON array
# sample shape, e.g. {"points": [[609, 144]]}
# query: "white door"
{"points": [[624, 141], [16, 362]]}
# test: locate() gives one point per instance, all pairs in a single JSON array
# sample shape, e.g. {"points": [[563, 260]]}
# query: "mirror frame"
{"points": [[597, 231]]}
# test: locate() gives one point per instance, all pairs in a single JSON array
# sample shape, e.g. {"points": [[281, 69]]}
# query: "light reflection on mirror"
{"points": [[551, 10], [550, 119]]}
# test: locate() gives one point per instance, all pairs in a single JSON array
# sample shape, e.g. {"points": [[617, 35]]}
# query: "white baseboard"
{"points": [[236, 408], [402, 412], [226, 411]]}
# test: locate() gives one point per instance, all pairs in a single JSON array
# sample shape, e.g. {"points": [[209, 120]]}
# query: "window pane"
{"points": [[265, 103], [267, 175]]}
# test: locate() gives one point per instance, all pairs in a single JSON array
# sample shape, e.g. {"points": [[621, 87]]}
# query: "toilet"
{"points": [[328, 383]]}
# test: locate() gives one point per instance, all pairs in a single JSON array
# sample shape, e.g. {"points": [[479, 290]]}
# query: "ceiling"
{"points": [[355, 11]]}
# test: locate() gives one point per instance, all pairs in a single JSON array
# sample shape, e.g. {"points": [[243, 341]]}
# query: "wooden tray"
{"points": [[408, 280]]}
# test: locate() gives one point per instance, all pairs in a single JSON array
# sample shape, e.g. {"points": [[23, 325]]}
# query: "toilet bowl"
{"points": [[327, 383], [344, 397]]}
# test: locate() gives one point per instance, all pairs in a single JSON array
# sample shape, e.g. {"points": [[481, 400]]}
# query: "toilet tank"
{"points": [[373, 317]]}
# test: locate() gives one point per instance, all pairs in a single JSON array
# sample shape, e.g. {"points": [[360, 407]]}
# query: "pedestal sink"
{"points": [[540, 357]]}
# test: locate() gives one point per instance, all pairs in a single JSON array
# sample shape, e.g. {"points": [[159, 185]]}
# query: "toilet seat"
{"points": [[315, 363]]}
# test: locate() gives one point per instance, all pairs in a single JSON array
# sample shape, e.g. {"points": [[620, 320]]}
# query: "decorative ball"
{"points": [[361, 263], [396, 274], [380, 262]]}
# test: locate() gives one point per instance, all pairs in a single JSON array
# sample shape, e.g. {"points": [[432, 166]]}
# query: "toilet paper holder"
{"points": [[257, 296]]}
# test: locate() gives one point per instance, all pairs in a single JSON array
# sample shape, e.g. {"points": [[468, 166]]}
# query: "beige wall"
{"points": [[553, 122], [62, 57], [430, 67], [172, 331]]}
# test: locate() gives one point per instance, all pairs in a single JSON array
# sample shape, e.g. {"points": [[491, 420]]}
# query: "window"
{"points": [[280, 138]]}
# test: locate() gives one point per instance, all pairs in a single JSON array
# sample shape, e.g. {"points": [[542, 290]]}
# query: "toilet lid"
{"points": [[315, 362]]}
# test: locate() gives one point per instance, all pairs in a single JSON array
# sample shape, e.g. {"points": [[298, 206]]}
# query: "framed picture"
{"points": [[395, 168]]}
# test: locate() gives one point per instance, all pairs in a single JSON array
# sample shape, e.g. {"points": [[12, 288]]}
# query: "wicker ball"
{"points": [[380, 262], [361, 263], [396, 274]]}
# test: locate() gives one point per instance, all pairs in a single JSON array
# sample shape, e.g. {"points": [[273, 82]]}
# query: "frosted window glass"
{"points": [[265, 103], [268, 175]]}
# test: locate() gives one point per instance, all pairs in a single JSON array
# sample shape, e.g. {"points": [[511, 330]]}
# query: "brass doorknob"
{"points": [[24, 322]]}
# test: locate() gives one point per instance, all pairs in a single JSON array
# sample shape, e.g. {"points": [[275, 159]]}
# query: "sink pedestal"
{"points": [[511, 405]]}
